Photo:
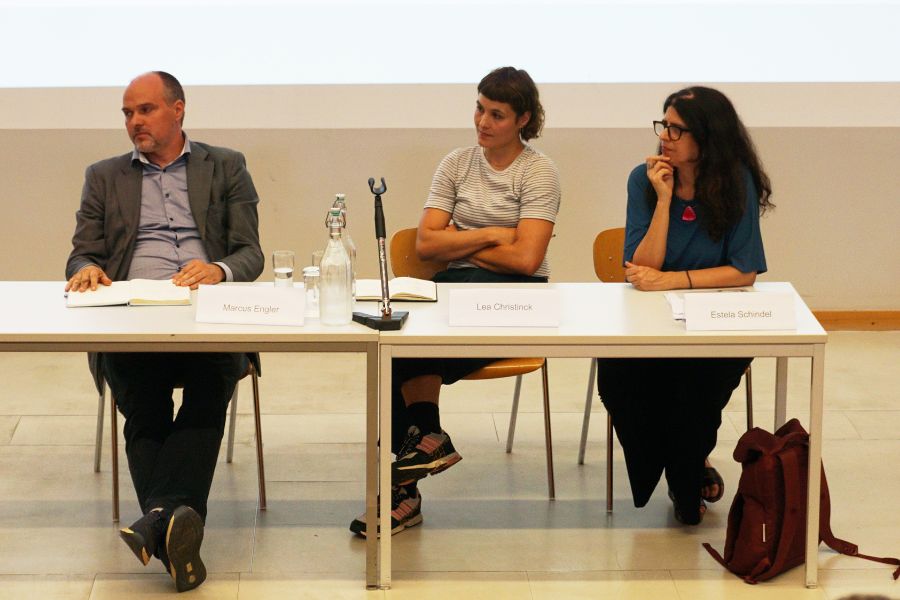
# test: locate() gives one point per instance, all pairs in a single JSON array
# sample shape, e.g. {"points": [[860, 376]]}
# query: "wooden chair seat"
{"points": [[506, 367]]}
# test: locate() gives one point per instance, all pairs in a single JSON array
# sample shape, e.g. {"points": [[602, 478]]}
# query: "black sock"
{"points": [[425, 416], [412, 489]]}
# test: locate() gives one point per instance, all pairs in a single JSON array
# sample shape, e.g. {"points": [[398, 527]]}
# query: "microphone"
{"points": [[389, 320]]}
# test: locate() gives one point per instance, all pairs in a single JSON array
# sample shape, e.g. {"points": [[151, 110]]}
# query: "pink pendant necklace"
{"points": [[688, 215]]}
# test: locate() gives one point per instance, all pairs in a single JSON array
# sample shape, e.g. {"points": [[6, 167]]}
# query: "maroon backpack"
{"points": [[767, 521]]}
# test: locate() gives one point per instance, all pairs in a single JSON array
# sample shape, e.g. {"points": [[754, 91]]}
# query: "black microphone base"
{"points": [[381, 323]]}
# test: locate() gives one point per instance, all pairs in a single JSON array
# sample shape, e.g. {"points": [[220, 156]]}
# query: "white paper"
{"points": [[740, 312], [507, 307], [676, 299], [252, 305]]}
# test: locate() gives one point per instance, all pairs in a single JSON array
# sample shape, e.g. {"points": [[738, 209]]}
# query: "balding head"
{"points": [[153, 120]]}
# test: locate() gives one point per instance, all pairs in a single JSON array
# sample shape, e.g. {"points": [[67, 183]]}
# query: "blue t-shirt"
{"points": [[688, 246]]}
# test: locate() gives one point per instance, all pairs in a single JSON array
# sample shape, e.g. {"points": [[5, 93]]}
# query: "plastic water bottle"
{"points": [[340, 201], [335, 285]]}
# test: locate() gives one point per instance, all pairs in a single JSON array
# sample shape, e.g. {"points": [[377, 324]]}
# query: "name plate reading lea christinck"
{"points": [[504, 308], [251, 305], [734, 311]]}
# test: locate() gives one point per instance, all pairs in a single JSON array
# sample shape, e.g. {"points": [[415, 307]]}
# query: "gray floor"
{"points": [[489, 529]]}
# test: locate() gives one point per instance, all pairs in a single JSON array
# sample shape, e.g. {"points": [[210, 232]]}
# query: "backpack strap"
{"points": [[839, 545], [715, 554]]}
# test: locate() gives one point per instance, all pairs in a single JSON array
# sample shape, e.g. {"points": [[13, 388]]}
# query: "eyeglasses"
{"points": [[675, 131]]}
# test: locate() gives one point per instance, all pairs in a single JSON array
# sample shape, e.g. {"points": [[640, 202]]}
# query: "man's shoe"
{"points": [[183, 538], [145, 535], [422, 455], [406, 512]]}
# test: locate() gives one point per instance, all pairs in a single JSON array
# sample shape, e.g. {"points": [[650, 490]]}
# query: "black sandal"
{"points": [[679, 515], [712, 477]]}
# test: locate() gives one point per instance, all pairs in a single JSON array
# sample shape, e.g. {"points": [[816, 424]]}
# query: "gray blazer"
{"points": [[223, 202]]}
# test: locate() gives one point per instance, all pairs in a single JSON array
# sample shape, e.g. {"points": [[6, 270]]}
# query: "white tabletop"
{"points": [[33, 312], [595, 314]]}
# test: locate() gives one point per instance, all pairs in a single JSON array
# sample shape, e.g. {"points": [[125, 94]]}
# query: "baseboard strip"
{"points": [[859, 320]]}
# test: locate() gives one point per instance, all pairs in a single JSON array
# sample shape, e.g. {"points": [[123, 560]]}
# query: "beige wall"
{"points": [[834, 233]]}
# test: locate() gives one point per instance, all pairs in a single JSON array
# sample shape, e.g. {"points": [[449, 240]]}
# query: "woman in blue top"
{"points": [[692, 222]]}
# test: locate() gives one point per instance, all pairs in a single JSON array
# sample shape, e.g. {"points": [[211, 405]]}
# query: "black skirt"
{"points": [[666, 413]]}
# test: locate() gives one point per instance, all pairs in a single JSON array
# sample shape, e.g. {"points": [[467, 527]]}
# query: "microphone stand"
{"points": [[389, 320]]}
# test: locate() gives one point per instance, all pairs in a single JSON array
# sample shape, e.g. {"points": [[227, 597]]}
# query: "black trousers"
{"points": [[666, 413], [450, 370], [172, 458]]}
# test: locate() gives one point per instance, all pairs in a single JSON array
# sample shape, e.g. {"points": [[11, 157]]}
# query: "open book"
{"points": [[137, 292], [402, 288]]}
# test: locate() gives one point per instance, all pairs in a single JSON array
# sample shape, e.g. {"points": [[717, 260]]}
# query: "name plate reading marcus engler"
{"points": [[733, 311], [504, 308], [250, 305]]}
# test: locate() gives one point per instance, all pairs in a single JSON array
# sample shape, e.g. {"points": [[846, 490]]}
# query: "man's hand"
{"points": [[88, 277], [196, 272]]}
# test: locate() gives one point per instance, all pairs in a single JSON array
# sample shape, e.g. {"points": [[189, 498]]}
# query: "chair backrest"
{"points": [[405, 262], [609, 250]]}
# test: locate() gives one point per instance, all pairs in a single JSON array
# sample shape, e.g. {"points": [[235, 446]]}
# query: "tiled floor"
{"points": [[489, 530]]}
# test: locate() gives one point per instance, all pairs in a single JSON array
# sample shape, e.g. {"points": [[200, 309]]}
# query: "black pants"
{"points": [[450, 370], [171, 457], [666, 413]]}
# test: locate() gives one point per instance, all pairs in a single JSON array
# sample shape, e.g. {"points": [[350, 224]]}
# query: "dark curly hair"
{"points": [[516, 88], [726, 150]]}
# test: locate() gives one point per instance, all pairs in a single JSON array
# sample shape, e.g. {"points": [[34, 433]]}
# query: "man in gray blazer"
{"points": [[181, 210]]}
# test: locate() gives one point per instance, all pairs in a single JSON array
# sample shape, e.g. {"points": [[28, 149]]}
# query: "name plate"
{"points": [[250, 305], [732, 311], [504, 308]]}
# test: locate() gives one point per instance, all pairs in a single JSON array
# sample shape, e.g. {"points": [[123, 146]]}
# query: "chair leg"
{"points": [[98, 443], [588, 402], [513, 414], [229, 455], [548, 438], [748, 385], [609, 463], [260, 466], [114, 436]]}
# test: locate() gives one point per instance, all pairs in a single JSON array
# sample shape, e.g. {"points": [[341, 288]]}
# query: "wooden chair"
{"points": [[405, 263], [114, 433], [609, 250]]}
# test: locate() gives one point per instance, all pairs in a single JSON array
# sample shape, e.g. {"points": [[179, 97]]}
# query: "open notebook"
{"points": [[402, 288], [137, 292]]}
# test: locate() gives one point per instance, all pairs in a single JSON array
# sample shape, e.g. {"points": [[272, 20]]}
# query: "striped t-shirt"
{"points": [[476, 195]]}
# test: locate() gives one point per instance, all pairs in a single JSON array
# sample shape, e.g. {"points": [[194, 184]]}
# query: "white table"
{"points": [[606, 320], [34, 318]]}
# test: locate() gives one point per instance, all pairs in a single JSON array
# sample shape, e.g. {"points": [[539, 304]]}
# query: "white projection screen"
{"points": [[341, 63]]}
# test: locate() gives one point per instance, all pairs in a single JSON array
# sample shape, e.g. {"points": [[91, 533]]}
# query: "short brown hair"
{"points": [[516, 88]]}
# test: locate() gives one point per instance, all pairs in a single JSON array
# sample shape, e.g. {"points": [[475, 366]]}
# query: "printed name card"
{"points": [[504, 308], [250, 305], [733, 311]]}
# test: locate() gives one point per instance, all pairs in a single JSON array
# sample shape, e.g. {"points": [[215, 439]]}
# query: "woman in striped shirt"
{"points": [[490, 214]]}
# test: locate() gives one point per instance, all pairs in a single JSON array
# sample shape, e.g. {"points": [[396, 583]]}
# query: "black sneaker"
{"points": [[145, 535], [406, 512], [183, 538], [423, 455]]}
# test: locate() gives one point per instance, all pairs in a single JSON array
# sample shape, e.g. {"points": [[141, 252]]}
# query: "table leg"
{"points": [[781, 384], [371, 462], [816, 401], [384, 464]]}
